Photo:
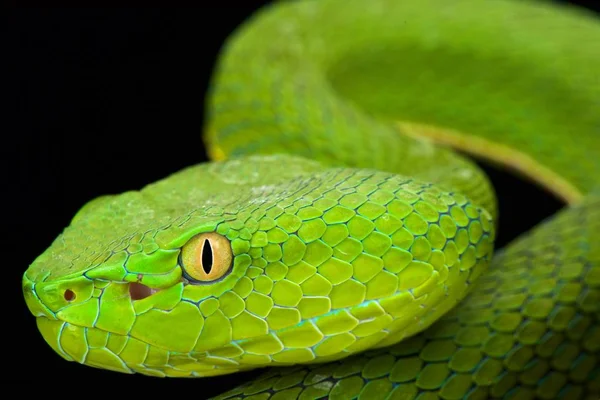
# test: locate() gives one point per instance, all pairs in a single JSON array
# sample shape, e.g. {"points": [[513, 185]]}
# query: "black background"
{"points": [[104, 101]]}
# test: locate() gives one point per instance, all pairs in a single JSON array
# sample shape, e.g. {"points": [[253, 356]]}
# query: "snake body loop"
{"points": [[336, 236]]}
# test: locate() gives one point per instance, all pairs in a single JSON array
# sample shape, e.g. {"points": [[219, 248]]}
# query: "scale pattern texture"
{"points": [[360, 248], [530, 329]]}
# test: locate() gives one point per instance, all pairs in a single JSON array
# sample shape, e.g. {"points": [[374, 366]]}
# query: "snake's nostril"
{"points": [[69, 295]]}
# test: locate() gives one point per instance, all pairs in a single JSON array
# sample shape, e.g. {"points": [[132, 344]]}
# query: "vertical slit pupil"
{"points": [[207, 257]]}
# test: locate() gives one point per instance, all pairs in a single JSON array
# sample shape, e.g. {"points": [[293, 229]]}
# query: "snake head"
{"points": [[262, 260]]}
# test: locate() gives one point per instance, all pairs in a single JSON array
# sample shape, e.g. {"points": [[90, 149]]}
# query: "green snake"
{"points": [[336, 235]]}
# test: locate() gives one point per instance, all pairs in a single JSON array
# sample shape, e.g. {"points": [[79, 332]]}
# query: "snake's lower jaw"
{"points": [[74, 334], [120, 353], [71, 343], [68, 319]]}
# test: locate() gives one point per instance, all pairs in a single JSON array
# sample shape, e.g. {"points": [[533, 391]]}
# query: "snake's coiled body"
{"points": [[344, 239]]}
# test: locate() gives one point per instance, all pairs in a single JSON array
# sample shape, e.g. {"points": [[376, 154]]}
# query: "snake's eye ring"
{"points": [[206, 257]]}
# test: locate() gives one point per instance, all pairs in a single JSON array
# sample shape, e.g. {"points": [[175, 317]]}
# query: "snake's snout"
{"points": [[49, 299], [33, 301]]}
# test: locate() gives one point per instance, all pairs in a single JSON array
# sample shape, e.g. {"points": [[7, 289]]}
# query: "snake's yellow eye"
{"points": [[206, 257]]}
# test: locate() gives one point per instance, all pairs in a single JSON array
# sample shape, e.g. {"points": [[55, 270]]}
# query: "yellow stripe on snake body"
{"points": [[326, 236]]}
